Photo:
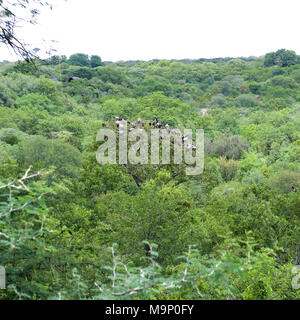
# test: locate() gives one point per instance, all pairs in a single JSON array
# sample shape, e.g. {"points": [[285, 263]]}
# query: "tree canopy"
{"points": [[71, 228]]}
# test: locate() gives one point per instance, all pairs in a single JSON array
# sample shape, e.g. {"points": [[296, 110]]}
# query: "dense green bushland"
{"points": [[72, 229]]}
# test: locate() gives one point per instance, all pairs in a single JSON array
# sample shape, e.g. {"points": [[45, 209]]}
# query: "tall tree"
{"points": [[282, 58], [79, 59], [96, 61]]}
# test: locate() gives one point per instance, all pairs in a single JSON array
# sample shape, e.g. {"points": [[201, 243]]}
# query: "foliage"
{"points": [[282, 58], [231, 232]]}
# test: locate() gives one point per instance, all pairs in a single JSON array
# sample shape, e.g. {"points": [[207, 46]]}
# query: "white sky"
{"points": [[170, 29]]}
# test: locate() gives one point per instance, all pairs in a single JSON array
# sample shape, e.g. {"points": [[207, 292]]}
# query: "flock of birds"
{"points": [[155, 124]]}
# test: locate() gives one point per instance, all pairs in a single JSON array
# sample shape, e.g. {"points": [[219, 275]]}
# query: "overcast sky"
{"points": [[171, 29]]}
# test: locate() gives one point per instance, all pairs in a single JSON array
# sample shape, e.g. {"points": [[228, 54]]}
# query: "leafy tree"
{"points": [[83, 72], [218, 100], [232, 147], [79, 59], [33, 101], [42, 152], [10, 135], [96, 61], [6, 96], [25, 223], [160, 212], [282, 58], [283, 81], [247, 100]]}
